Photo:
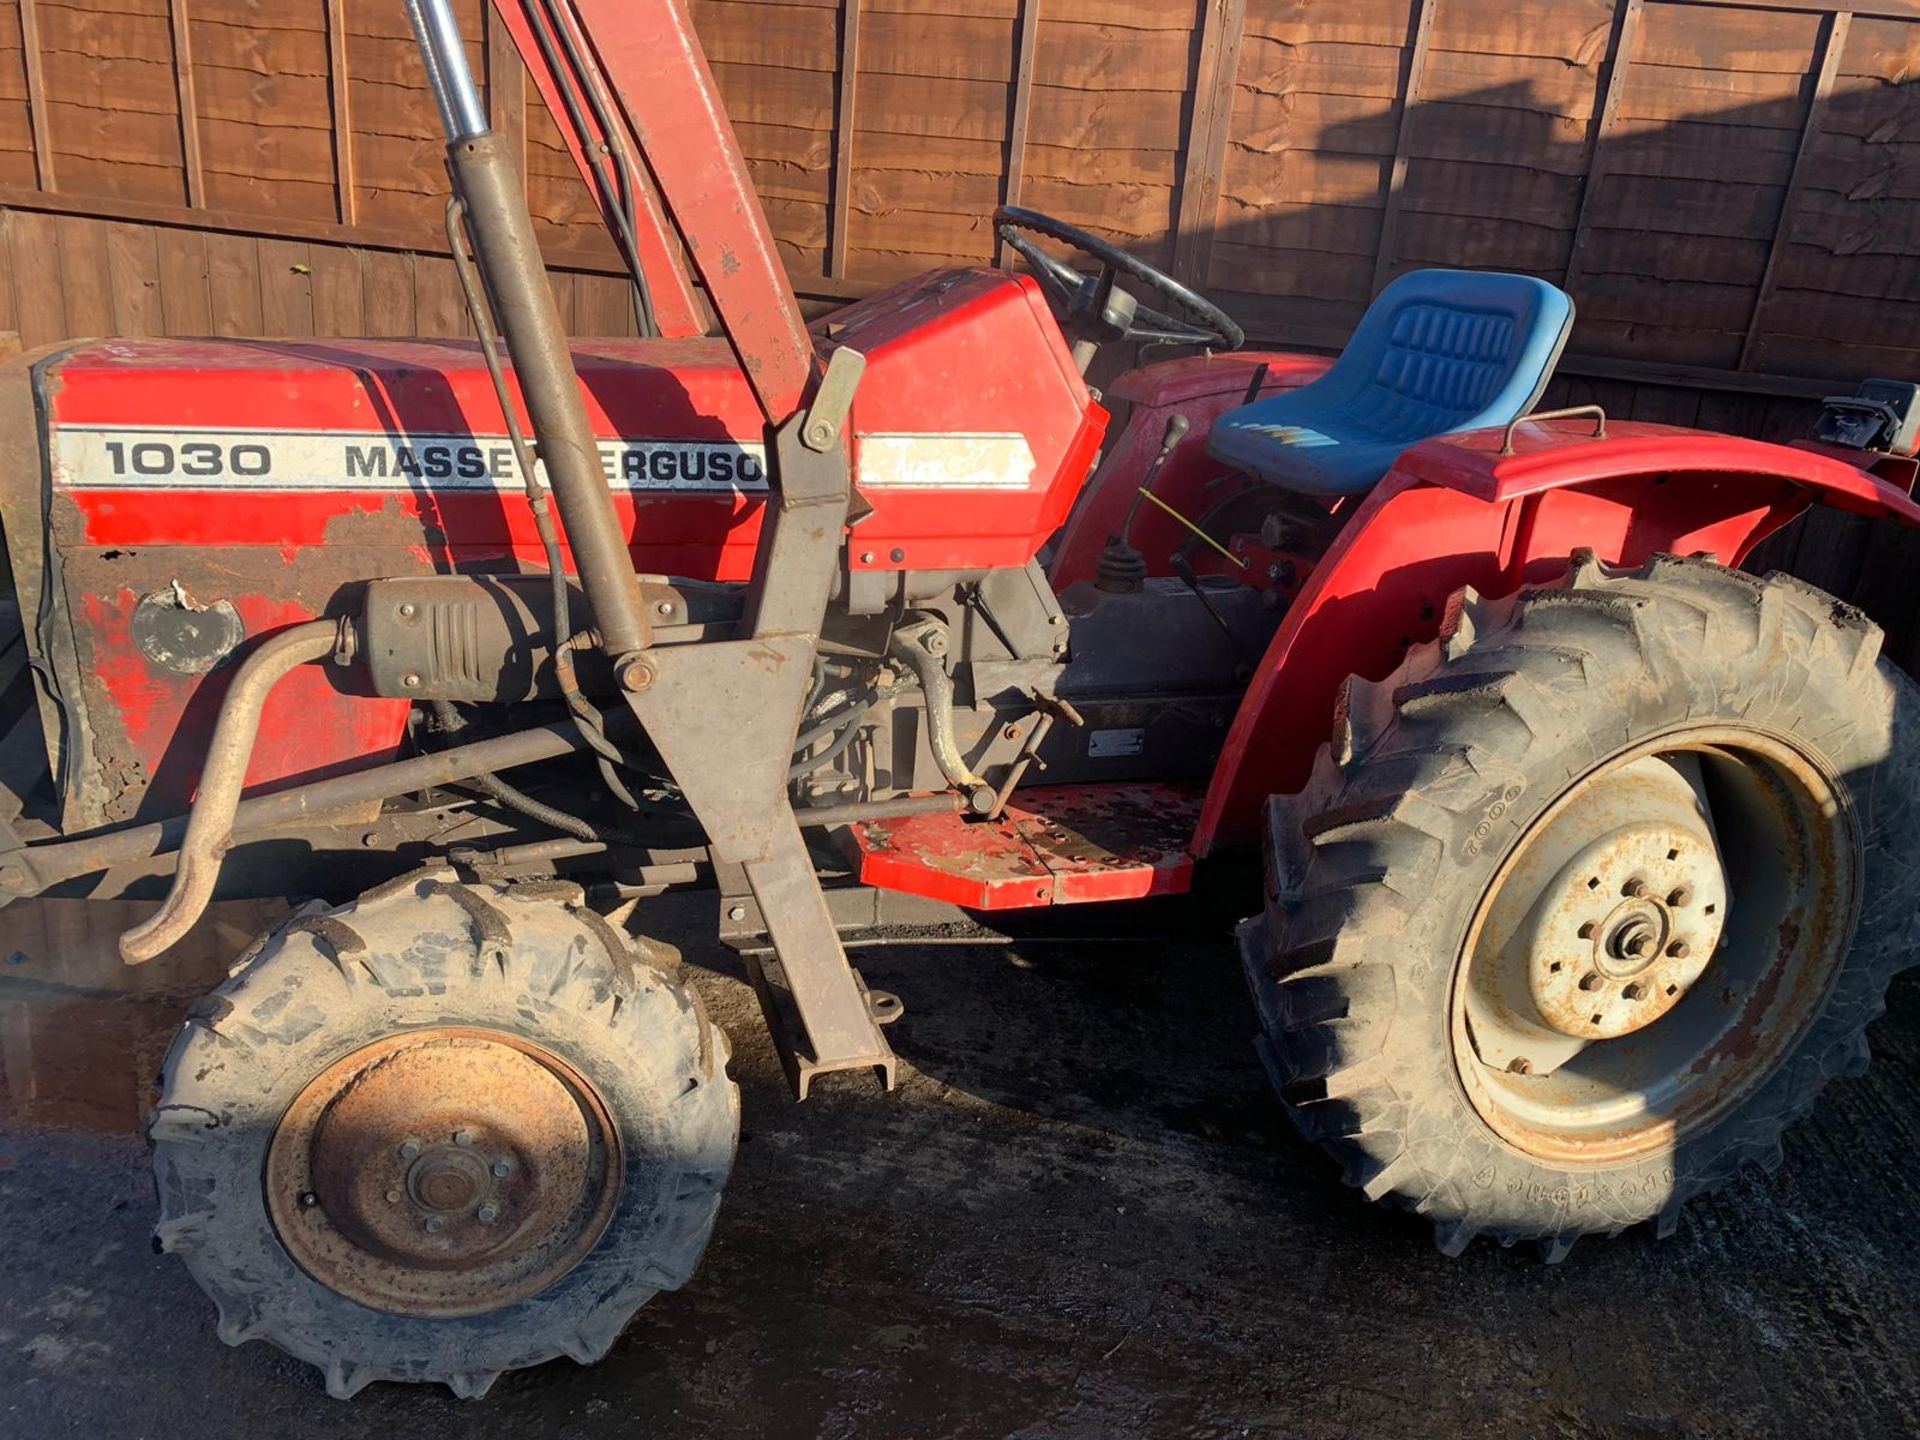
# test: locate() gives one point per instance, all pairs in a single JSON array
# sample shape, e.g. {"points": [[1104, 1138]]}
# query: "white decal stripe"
{"points": [[112, 457], [945, 462], [139, 458]]}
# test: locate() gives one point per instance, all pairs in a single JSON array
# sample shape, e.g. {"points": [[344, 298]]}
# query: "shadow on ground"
{"points": [[1081, 1216]]}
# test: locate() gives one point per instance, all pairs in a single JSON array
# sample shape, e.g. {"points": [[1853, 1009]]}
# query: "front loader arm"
{"points": [[547, 36], [756, 683], [644, 61]]}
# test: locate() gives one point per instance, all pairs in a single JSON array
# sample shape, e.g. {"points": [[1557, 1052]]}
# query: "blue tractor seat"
{"points": [[1439, 351]]}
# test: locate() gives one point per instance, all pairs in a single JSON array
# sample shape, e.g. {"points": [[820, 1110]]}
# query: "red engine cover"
{"points": [[274, 474]]}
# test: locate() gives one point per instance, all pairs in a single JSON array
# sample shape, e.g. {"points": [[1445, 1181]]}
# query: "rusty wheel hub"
{"points": [[1653, 944], [1629, 924], [443, 1172]]}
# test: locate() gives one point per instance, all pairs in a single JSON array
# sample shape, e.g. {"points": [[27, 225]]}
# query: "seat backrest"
{"points": [[1444, 350]]}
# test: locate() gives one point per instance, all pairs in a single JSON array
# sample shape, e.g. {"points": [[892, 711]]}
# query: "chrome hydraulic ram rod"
{"points": [[516, 282]]}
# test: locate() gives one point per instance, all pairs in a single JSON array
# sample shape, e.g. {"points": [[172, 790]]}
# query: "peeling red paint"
{"points": [[1057, 845]]}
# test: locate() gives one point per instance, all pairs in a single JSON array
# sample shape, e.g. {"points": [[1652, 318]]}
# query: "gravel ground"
{"points": [[1081, 1215]]}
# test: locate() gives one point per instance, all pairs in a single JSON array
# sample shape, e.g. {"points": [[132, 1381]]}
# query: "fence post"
{"points": [[1397, 178], [1833, 41], [1215, 74], [1626, 31], [1022, 106]]}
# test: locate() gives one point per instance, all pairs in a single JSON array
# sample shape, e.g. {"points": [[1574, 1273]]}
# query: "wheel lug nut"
{"points": [[308, 1199], [1679, 949], [463, 1137], [393, 1197], [1635, 991], [410, 1150], [487, 1214], [1519, 1065], [501, 1169], [1680, 895], [1591, 981], [433, 1224], [1589, 930], [1634, 889]]}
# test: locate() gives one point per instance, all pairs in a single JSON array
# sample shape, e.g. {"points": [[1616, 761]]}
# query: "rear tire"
{"points": [[420, 1031], [1385, 883]]}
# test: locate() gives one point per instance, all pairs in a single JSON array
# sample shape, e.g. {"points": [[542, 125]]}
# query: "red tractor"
{"points": [[1587, 855]]}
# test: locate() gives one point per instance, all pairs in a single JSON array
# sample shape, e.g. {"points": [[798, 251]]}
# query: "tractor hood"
{"points": [[972, 432], [253, 484]]}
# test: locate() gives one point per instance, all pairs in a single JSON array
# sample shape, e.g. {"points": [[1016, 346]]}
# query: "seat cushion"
{"points": [[1316, 454], [1438, 352]]}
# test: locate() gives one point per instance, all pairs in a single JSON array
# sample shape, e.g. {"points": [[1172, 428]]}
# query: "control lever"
{"points": [[1049, 707], [1122, 568], [1183, 567]]}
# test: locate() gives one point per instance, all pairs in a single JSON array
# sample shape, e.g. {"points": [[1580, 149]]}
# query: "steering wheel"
{"points": [[1095, 310]]}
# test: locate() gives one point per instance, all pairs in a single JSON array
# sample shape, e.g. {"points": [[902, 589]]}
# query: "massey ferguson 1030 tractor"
{"points": [[1588, 857]]}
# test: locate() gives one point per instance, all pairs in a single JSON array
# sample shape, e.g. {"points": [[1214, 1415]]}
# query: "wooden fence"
{"points": [[1730, 188]]}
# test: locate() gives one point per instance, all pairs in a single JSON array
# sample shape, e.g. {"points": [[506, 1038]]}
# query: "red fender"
{"points": [[1202, 388], [1456, 512]]}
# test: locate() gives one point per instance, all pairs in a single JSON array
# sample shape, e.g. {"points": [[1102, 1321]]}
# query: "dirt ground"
{"points": [[1081, 1216]]}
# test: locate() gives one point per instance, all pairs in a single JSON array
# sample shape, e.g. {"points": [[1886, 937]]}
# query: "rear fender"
{"points": [[1456, 513]]}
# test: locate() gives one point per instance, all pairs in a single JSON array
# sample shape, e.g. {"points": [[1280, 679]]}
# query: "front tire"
{"points": [[1587, 901], [443, 1132]]}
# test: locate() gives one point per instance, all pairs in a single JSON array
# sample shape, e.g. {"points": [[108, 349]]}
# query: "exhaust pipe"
{"points": [[210, 830]]}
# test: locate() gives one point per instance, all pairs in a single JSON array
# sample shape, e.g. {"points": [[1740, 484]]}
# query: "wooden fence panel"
{"points": [[72, 276], [263, 92], [1309, 161], [1730, 188], [917, 196], [1109, 115], [776, 66]]}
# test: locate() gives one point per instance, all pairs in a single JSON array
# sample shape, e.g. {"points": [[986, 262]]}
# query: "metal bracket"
{"points": [[817, 1010], [723, 716], [827, 415], [736, 779], [1572, 412]]}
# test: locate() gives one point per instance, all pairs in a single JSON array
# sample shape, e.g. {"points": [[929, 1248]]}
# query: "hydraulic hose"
{"points": [[921, 647], [858, 704], [592, 727], [210, 828], [849, 729], [516, 799]]}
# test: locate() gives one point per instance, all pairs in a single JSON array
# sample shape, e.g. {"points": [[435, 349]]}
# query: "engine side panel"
{"points": [[198, 489]]}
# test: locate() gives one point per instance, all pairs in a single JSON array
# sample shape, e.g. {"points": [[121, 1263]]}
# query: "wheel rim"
{"points": [[1655, 944], [443, 1172]]}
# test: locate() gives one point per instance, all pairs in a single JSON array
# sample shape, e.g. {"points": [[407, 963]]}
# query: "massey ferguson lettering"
{"points": [[127, 458], [639, 465]]}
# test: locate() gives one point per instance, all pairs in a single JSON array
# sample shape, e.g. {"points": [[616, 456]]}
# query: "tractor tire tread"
{"points": [[435, 953], [1514, 693]]}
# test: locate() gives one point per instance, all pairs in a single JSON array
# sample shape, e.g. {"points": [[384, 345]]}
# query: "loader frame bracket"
{"points": [[814, 1004]]}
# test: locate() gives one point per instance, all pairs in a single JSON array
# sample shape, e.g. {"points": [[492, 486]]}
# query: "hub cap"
{"points": [[443, 1173], [1653, 945]]}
